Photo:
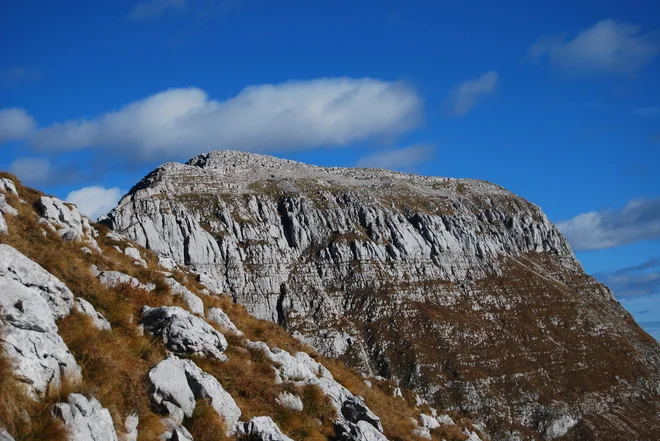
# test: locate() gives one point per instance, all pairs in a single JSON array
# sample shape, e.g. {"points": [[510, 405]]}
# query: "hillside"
{"points": [[100, 342], [457, 289]]}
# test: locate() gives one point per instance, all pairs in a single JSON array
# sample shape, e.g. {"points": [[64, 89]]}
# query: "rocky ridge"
{"points": [[455, 288], [87, 356]]}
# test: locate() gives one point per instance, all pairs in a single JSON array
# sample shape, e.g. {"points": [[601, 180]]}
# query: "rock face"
{"points": [[67, 221], [456, 288], [31, 299], [85, 419]]}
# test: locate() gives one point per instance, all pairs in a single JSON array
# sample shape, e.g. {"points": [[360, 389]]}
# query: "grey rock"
{"points": [[16, 266], [69, 223], [429, 421], [4, 229], [131, 423], [111, 279], [31, 299], [262, 428], [5, 436], [193, 302], [5, 208], [423, 432], [85, 419], [8, 186], [183, 332], [445, 420], [134, 254], [218, 316], [290, 401], [360, 431], [100, 322], [178, 383]]}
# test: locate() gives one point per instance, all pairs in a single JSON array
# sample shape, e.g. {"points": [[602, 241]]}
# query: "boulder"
{"points": [[263, 429], [5, 208], [360, 431], [134, 254], [218, 316], [69, 223], [131, 427], [428, 421], [100, 322], [4, 229], [290, 401], [183, 332], [85, 419], [177, 384], [14, 265], [31, 300], [111, 279], [7, 186], [5, 436], [445, 420], [193, 302]]}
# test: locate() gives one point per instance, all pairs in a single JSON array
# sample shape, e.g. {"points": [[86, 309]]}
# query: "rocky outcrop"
{"points": [[218, 317], [193, 302], [112, 279], [31, 299], [353, 414], [455, 288], [5, 436], [262, 429], [177, 384], [100, 322], [183, 332], [85, 419], [67, 221]]}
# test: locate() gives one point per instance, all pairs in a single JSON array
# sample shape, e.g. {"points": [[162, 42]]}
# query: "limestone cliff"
{"points": [[455, 288]]}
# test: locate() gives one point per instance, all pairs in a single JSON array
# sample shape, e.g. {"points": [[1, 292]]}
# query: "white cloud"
{"points": [[31, 170], [287, 116], [95, 201], [150, 9], [15, 124], [397, 159], [464, 96], [636, 222], [609, 46]]}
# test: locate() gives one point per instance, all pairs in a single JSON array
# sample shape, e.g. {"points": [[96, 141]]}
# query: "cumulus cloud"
{"points": [[150, 9], [634, 281], [15, 124], [31, 170], [465, 96], [287, 116], [95, 201], [609, 46], [636, 222], [397, 159]]}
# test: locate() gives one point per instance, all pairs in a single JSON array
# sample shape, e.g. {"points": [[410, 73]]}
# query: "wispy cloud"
{"points": [[15, 124], [17, 74], [465, 96], [636, 222], [608, 47], [32, 170], [289, 116], [634, 281], [95, 201], [151, 9], [397, 159], [648, 112], [201, 9]]}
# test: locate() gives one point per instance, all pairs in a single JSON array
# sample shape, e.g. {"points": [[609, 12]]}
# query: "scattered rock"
{"points": [[428, 421], [218, 316], [84, 307], [360, 431], [7, 186], [5, 208], [262, 429], [290, 401], [445, 420], [193, 302], [134, 254], [183, 332], [85, 419], [5, 436], [178, 383], [131, 423], [111, 279]]}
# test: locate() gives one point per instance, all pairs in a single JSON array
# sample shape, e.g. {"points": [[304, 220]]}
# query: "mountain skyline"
{"points": [[558, 103]]}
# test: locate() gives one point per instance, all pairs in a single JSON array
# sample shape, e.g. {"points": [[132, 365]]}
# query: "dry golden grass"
{"points": [[205, 424]]}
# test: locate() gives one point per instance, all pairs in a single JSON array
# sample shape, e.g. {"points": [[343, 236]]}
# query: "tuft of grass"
{"points": [[206, 424]]}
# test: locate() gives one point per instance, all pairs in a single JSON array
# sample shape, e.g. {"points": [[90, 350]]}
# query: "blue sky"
{"points": [[557, 101]]}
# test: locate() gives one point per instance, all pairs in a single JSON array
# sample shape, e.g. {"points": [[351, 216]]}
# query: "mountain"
{"points": [[100, 342], [455, 288]]}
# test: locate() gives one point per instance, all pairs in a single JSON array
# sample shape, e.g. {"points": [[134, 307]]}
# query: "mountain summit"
{"points": [[455, 288]]}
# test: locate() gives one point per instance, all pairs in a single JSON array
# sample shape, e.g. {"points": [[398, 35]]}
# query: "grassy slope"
{"points": [[115, 364]]}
